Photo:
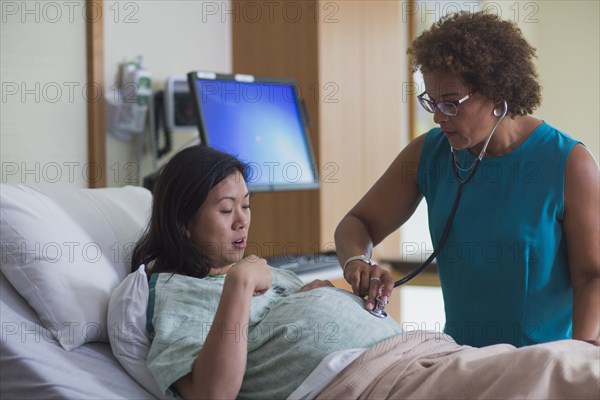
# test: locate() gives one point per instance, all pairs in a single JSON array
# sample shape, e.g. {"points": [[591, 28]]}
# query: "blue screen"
{"points": [[261, 124]]}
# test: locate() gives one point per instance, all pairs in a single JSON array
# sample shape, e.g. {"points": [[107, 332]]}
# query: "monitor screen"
{"points": [[262, 122]]}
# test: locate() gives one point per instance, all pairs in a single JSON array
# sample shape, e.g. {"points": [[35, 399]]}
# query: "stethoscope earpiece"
{"points": [[501, 111]]}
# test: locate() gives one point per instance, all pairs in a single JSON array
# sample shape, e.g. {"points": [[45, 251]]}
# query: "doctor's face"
{"points": [[475, 117], [219, 230]]}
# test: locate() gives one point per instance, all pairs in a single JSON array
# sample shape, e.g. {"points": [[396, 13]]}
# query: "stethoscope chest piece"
{"points": [[379, 313], [378, 310]]}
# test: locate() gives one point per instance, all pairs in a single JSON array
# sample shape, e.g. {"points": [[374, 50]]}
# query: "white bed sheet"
{"points": [[34, 366]]}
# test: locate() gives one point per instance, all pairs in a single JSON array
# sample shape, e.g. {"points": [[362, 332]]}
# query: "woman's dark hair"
{"points": [[180, 190], [490, 54]]}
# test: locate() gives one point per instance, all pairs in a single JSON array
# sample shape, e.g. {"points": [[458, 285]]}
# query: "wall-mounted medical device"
{"points": [[179, 105], [174, 112], [128, 105]]}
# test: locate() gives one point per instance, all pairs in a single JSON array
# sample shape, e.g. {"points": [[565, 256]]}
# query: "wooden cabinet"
{"points": [[348, 60], [266, 43]]}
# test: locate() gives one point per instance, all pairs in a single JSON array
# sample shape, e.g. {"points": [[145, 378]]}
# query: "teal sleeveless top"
{"points": [[503, 270]]}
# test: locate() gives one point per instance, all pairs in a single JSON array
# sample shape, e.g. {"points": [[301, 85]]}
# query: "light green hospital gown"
{"points": [[288, 334]]}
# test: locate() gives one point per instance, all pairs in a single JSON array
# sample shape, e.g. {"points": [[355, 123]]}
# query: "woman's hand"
{"points": [[370, 281], [253, 271], [218, 371], [317, 283]]}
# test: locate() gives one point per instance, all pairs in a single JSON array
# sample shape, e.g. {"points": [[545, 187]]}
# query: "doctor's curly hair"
{"points": [[490, 54]]}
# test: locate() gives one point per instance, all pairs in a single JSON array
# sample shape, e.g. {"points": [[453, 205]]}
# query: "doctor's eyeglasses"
{"points": [[449, 108]]}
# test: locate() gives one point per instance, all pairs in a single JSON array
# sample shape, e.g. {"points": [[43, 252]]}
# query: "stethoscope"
{"points": [[378, 309]]}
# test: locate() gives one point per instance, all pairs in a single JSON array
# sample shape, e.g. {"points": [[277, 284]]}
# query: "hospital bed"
{"points": [[71, 328]]}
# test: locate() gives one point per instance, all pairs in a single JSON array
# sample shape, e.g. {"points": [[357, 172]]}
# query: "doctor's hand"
{"points": [[370, 281]]}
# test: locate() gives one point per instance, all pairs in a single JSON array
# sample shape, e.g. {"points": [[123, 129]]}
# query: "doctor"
{"points": [[521, 261]]}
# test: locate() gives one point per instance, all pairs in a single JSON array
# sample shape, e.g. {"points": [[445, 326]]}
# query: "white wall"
{"points": [[43, 129], [43, 113], [174, 37], [567, 38]]}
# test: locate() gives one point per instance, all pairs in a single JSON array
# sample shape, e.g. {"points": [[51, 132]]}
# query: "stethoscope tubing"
{"points": [[448, 225], [461, 185]]}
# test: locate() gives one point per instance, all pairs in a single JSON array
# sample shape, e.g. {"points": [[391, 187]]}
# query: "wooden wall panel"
{"points": [[342, 118], [362, 132], [95, 82], [346, 58], [383, 76], [281, 43]]}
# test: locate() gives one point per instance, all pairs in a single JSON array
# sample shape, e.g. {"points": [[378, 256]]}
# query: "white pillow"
{"points": [[127, 329], [66, 249]]}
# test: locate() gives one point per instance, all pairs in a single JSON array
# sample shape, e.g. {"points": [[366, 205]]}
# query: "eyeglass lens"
{"points": [[446, 108]]}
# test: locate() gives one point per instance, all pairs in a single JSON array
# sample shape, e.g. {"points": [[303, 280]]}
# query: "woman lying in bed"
{"points": [[259, 332], [226, 326]]}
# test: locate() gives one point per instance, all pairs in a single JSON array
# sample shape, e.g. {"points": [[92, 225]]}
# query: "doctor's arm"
{"points": [[218, 371], [382, 210], [582, 231]]}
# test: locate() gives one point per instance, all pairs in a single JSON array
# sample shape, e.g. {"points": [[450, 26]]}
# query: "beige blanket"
{"points": [[430, 365]]}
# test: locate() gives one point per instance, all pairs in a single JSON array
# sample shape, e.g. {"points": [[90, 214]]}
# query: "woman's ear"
{"points": [[186, 231]]}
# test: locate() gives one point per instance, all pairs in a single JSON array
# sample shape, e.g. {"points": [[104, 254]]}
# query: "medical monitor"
{"points": [[261, 121], [179, 108]]}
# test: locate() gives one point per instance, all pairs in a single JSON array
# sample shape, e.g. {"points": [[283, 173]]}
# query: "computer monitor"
{"points": [[261, 121]]}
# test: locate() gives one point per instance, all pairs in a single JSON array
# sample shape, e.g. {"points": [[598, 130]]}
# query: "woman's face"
{"points": [[219, 229], [475, 117]]}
